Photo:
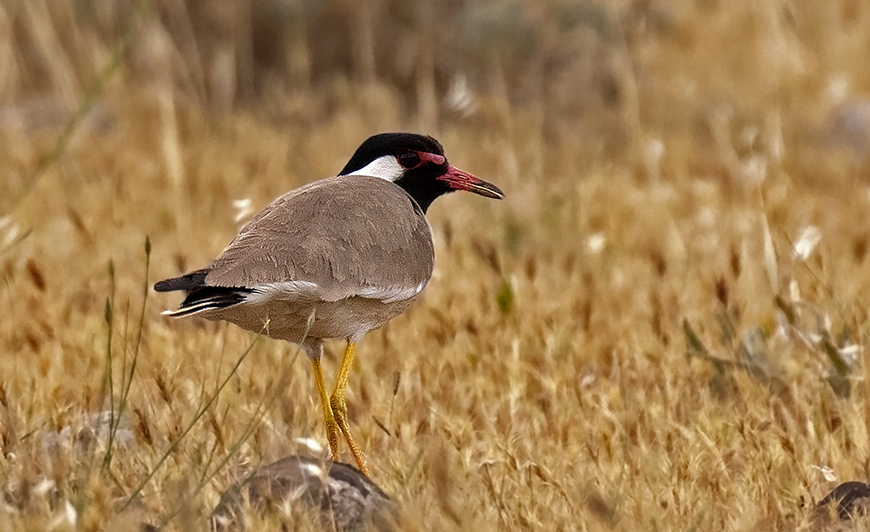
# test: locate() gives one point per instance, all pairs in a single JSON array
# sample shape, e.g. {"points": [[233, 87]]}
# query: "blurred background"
{"points": [[672, 87], [680, 176]]}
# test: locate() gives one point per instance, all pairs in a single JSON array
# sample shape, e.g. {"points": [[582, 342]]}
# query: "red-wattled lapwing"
{"points": [[334, 259]]}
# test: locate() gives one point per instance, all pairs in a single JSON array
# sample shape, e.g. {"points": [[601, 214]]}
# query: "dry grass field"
{"points": [[661, 327]]}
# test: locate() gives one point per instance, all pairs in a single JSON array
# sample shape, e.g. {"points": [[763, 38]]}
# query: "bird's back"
{"points": [[353, 252], [341, 234]]}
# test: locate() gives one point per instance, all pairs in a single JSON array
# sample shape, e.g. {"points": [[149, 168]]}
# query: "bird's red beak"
{"points": [[459, 180]]}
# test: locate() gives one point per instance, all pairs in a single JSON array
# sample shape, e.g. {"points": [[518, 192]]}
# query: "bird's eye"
{"points": [[409, 160]]}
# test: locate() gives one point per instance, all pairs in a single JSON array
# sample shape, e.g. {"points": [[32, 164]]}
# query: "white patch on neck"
{"points": [[385, 167]]}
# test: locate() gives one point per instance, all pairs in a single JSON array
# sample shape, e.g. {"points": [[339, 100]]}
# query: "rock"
{"points": [[851, 498], [335, 494], [847, 501]]}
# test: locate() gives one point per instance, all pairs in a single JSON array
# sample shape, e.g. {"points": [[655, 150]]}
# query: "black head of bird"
{"points": [[417, 164]]}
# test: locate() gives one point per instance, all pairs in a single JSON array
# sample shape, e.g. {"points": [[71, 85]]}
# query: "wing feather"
{"points": [[348, 236]]}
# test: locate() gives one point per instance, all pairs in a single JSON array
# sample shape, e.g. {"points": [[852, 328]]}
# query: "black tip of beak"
{"points": [[459, 180], [487, 190]]}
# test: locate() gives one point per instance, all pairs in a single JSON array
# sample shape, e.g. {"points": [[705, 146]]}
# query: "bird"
{"points": [[335, 258]]}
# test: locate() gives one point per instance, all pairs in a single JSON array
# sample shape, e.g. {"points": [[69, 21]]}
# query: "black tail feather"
{"points": [[199, 296], [216, 296], [188, 282], [209, 298]]}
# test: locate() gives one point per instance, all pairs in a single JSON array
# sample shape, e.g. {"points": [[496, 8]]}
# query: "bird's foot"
{"points": [[339, 410]]}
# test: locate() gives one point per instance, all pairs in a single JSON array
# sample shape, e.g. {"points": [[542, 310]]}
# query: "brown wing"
{"points": [[354, 235]]}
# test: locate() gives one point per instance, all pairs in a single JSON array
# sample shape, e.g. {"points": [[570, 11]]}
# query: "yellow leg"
{"points": [[332, 429], [339, 408]]}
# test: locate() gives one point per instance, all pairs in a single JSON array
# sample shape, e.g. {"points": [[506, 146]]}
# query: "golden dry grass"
{"points": [[661, 161]]}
